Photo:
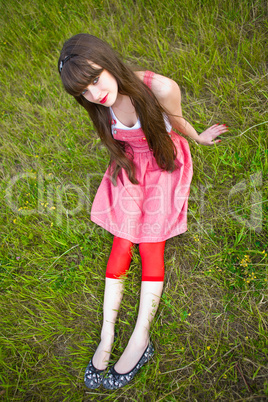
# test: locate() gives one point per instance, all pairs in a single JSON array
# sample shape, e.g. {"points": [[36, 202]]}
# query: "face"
{"points": [[103, 90]]}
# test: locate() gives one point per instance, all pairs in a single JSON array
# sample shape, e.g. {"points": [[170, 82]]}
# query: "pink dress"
{"points": [[156, 208]]}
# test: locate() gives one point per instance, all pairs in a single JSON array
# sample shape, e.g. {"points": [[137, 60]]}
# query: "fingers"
{"points": [[218, 130], [213, 142], [219, 127], [209, 136], [223, 128]]}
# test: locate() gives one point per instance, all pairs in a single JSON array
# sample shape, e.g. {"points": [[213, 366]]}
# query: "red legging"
{"points": [[152, 258]]}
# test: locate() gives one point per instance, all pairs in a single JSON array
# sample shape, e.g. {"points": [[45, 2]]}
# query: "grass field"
{"points": [[210, 331]]}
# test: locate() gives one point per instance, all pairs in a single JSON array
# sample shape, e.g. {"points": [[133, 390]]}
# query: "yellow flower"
{"points": [[208, 347]]}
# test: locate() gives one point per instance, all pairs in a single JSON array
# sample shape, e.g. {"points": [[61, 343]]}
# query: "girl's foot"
{"points": [[114, 380], [101, 356], [93, 377], [132, 354]]}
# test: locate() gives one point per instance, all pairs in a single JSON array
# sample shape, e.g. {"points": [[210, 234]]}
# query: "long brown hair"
{"points": [[77, 73]]}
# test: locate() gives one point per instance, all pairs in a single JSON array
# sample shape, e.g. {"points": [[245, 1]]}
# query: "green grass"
{"points": [[210, 331]]}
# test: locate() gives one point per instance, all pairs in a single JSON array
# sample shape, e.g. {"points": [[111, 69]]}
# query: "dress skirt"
{"points": [[155, 209]]}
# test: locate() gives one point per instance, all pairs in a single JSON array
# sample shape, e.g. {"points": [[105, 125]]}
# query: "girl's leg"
{"points": [[152, 255], [117, 267]]}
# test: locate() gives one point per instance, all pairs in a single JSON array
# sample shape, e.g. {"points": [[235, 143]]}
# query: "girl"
{"points": [[143, 196]]}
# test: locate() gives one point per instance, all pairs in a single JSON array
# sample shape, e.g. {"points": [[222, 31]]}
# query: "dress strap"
{"points": [[147, 79]]}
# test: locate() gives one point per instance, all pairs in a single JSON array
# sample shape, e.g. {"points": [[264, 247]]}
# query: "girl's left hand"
{"points": [[208, 137]]}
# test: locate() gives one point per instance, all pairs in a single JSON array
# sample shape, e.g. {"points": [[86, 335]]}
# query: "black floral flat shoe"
{"points": [[93, 377], [114, 380]]}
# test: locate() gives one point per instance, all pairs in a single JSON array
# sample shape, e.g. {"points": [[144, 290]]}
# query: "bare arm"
{"points": [[168, 93]]}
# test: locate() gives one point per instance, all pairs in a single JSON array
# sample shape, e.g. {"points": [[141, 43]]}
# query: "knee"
{"points": [[152, 257], [120, 258], [152, 251], [122, 247]]}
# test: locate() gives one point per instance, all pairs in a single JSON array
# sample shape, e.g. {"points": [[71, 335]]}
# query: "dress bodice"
{"points": [[117, 123]]}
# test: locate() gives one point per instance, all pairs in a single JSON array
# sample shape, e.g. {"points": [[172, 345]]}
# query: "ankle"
{"points": [[107, 339], [101, 356], [140, 340]]}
